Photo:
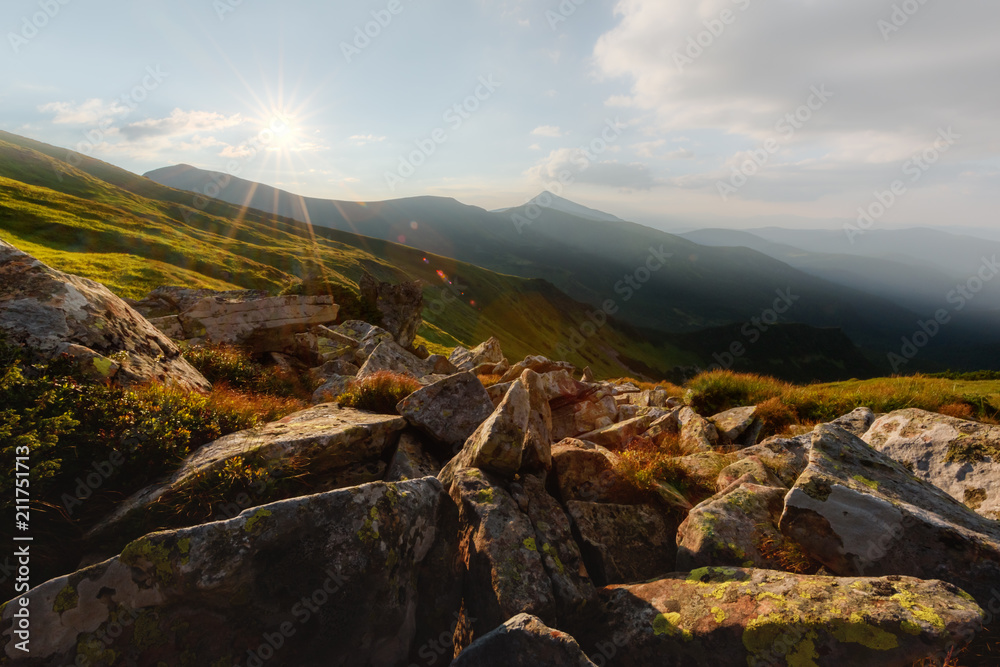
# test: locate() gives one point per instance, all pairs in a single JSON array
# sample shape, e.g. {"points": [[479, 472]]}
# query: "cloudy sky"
{"points": [[669, 112]]}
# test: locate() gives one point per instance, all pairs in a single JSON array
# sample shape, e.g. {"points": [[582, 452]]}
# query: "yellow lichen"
{"points": [[669, 624], [256, 519], [804, 654], [718, 614], [529, 544], [857, 630]]}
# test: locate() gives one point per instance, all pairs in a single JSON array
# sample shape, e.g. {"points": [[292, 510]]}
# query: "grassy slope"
{"points": [[133, 235]]}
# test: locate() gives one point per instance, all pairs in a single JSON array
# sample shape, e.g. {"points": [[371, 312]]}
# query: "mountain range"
{"points": [[548, 276]]}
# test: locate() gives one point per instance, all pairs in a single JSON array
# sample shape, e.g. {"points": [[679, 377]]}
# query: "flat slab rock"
{"points": [[348, 562], [732, 617], [57, 313], [955, 455], [859, 512], [326, 436], [524, 641]]}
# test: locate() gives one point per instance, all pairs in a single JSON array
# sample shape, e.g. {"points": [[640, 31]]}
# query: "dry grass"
{"points": [[379, 392]]}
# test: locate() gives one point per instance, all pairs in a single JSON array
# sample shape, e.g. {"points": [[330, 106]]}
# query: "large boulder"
{"points": [[697, 433], [485, 353], [498, 444], [730, 617], [624, 543], [739, 527], [515, 437], [325, 441], [400, 306], [263, 325], [738, 426], [390, 356], [593, 412], [859, 512], [56, 313], [960, 457], [449, 410], [616, 436], [524, 641], [585, 471], [412, 460], [564, 564], [505, 571], [331, 579], [170, 300]]}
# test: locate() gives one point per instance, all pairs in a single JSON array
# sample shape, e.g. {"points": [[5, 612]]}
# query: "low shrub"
{"points": [[379, 392], [90, 445]]}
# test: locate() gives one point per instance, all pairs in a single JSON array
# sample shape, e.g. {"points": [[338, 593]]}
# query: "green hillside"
{"points": [[133, 235]]}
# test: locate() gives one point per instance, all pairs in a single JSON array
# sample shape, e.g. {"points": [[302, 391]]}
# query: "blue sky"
{"points": [[665, 112]]}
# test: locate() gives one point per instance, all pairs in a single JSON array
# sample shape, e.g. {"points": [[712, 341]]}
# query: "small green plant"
{"points": [[716, 391], [379, 392]]}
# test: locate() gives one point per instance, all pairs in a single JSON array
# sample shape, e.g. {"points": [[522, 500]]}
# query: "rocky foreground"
{"points": [[492, 526]]}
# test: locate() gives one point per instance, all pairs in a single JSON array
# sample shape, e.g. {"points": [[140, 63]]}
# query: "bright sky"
{"points": [[670, 112]]}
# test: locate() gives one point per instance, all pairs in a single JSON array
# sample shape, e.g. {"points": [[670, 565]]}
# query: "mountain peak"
{"points": [[554, 202]]}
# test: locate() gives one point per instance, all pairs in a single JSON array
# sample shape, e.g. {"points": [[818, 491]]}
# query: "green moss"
{"points": [[485, 496], [67, 599], [254, 525], [871, 484]]}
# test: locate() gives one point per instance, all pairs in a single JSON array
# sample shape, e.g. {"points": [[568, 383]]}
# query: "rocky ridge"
{"points": [[496, 525]]}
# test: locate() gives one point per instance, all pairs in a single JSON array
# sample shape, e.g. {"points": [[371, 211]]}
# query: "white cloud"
{"points": [[90, 112], [547, 131], [584, 169], [180, 123], [890, 97]]}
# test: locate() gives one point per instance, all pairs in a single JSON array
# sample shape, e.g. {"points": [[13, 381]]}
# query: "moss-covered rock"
{"points": [[338, 576], [860, 512], [724, 617]]}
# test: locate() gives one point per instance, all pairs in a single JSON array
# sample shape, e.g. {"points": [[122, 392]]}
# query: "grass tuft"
{"points": [[379, 392]]}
